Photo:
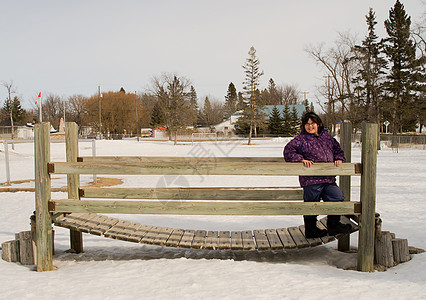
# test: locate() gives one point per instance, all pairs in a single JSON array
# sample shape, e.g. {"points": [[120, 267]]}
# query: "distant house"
{"points": [[160, 133], [227, 126], [21, 131]]}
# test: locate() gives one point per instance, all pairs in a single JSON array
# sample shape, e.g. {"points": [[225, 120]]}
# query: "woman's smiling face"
{"points": [[311, 127]]}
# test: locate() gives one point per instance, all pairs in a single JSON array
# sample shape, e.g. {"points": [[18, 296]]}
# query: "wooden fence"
{"points": [[233, 201]]}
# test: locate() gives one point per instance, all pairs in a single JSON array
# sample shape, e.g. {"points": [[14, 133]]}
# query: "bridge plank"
{"points": [[298, 237], [224, 240], [174, 238], [236, 240], [104, 224], [187, 238], [212, 240], [248, 242], [312, 241], [199, 239], [286, 238], [162, 236], [273, 239], [261, 240]]}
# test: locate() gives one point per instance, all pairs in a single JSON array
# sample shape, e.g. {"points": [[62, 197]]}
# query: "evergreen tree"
{"points": [[275, 121], [17, 111], [287, 123], [295, 121], [251, 87], [400, 50], [370, 73], [231, 100], [193, 99], [157, 118]]}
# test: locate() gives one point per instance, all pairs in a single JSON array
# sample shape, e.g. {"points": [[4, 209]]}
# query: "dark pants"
{"points": [[328, 192]]}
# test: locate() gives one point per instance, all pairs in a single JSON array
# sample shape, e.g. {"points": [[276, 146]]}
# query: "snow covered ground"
{"points": [[111, 269]]}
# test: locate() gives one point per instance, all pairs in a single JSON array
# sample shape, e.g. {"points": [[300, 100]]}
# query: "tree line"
{"points": [[379, 80], [376, 80]]}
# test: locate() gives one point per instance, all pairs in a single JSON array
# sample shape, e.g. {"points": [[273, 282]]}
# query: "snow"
{"points": [[112, 269]]}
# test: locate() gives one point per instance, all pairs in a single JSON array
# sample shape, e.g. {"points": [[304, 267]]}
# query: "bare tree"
{"points": [[173, 93], [340, 69], [77, 109], [10, 91]]}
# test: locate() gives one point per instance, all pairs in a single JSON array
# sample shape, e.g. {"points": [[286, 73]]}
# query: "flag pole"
{"points": [[39, 100]]}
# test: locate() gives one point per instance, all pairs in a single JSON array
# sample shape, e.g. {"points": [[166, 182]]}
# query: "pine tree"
{"points": [[401, 84], [17, 111], [295, 121], [231, 100], [275, 121], [251, 87], [287, 124], [372, 66], [193, 99], [157, 117]]}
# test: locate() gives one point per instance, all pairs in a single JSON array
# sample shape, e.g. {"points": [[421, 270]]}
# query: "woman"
{"points": [[314, 144]]}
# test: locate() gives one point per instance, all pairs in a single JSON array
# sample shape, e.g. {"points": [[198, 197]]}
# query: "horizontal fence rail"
{"points": [[253, 194], [205, 208], [204, 168]]}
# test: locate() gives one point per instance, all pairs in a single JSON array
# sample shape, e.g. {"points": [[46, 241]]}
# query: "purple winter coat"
{"points": [[317, 148]]}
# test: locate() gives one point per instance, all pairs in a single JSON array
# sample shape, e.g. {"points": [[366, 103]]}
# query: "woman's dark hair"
{"points": [[314, 117]]}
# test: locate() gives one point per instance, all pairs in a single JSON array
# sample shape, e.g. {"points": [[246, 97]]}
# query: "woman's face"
{"points": [[311, 127]]}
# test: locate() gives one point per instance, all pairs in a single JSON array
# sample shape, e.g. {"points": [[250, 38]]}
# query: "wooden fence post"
{"points": [[368, 198], [42, 196], [73, 180], [345, 181]]}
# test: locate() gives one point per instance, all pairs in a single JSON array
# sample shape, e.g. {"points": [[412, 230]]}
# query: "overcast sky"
{"points": [[72, 47]]}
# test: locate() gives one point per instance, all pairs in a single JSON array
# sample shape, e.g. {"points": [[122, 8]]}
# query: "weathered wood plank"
{"points": [[261, 240], [174, 238], [184, 193], [187, 239], [73, 180], [199, 239], [273, 239], [140, 233], [248, 242], [212, 240], [298, 237], [10, 251], [312, 241], [401, 253], [205, 168], [104, 225], [44, 232], [236, 240], [286, 238], [383, 254], [117, 230], [204, 208], [151, 235], [162, 236], [26, 250], [224, 240], [368, 198], [322, 224], [174, 159]]}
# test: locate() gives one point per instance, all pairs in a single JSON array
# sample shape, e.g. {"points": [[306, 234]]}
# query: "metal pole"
{"points": [[6, 155], [100, 116], [94, 154], [137, 119]]}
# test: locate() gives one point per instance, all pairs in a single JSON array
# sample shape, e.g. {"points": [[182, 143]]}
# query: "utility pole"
{"points": [[305, 99], [100, 116], [137, 119]]}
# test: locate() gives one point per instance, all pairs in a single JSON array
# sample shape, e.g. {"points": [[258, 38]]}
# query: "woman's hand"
{"points": [[307, 163], [337, 163]]}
